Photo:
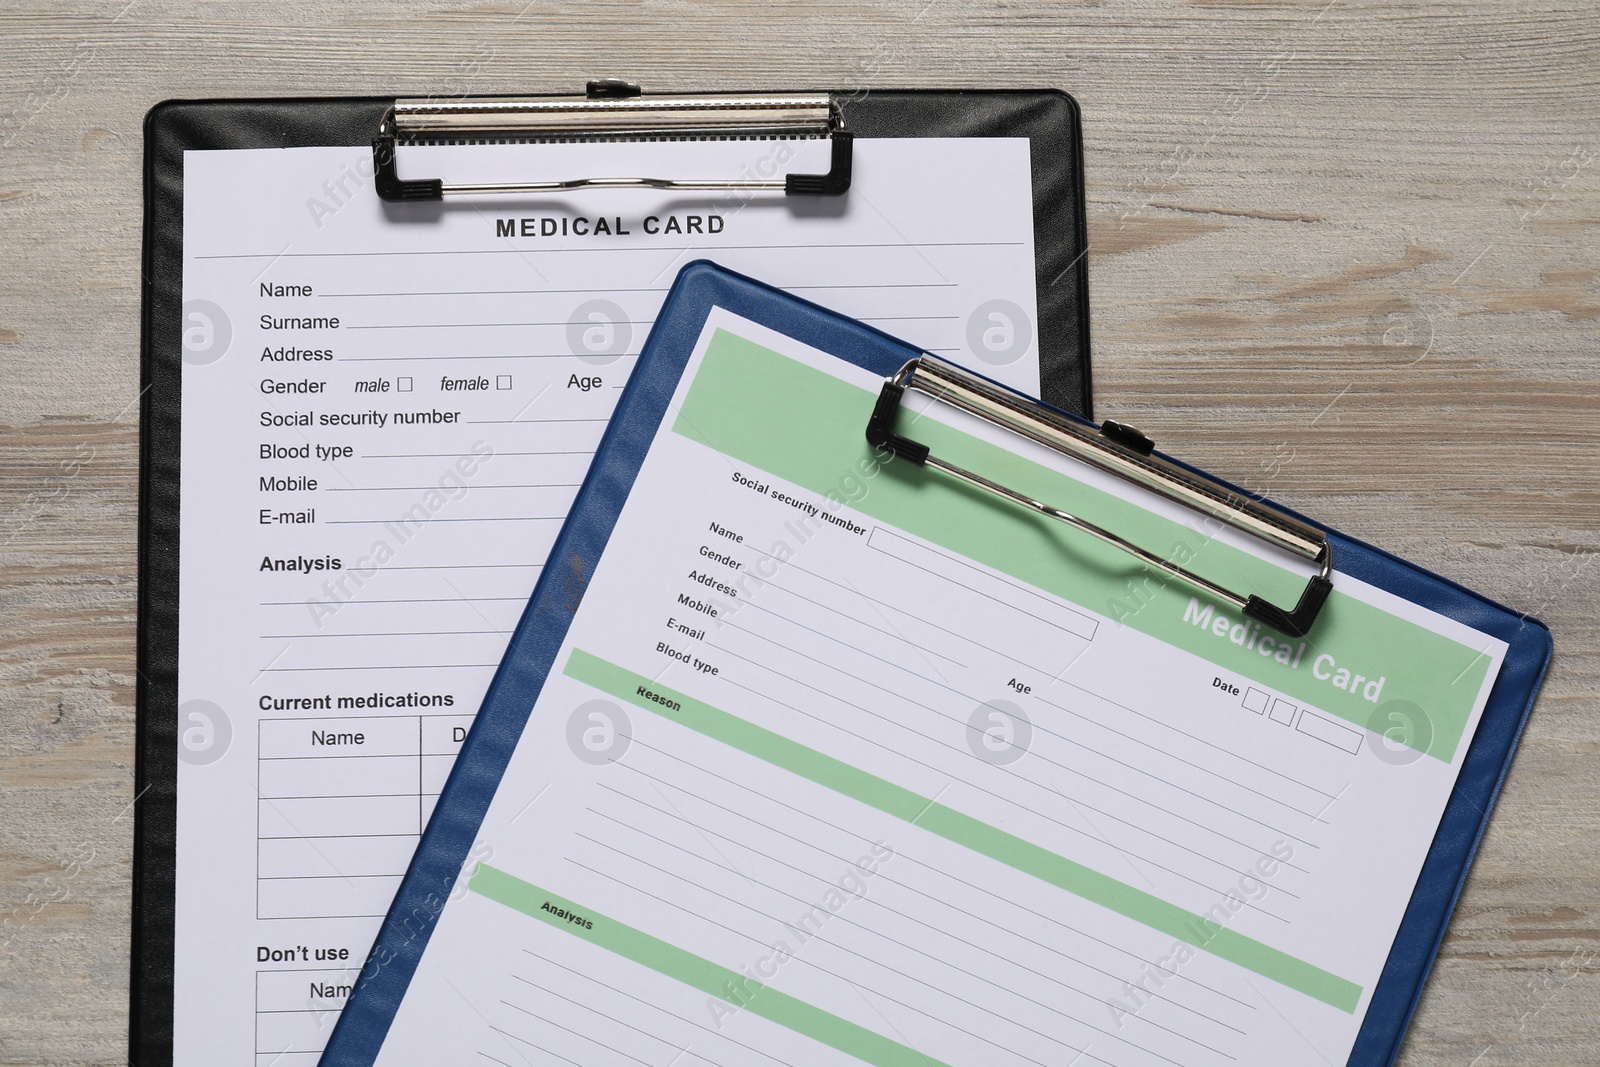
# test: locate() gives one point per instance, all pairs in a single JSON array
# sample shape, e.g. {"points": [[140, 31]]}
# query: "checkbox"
{"points": [[1283, 711], [502, 381], [1255, 700], [402, 385]]}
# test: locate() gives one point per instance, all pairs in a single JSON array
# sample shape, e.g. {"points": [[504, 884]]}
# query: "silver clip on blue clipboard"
{"points": [[1123, 451]]}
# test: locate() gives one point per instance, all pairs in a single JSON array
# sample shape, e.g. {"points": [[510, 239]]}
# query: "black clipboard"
{"points": [[1049, 119]]}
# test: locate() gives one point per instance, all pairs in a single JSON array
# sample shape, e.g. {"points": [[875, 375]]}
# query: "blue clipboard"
{"points": [[701, 286]]}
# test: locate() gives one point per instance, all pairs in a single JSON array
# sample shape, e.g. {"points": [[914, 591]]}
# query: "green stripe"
{"points": [[814, 438], [964, 830], [710, 978]]}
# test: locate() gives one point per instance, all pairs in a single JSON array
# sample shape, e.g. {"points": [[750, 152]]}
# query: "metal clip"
{"points": [[612, 109], [1116, 449]]}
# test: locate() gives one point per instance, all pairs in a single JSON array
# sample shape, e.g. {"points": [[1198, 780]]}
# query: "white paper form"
{"points": [[386, 413], [842, 764]]}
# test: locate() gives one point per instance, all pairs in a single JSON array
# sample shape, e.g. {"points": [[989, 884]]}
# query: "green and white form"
{"points": [[841, 763]]}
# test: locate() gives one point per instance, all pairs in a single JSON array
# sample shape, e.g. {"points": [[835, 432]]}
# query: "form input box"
{"points": [[335, 776], [335, 857], [1335, 734], [355, 896], [339, 816]]}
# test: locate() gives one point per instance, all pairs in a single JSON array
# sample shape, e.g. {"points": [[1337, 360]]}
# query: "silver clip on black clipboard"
{"points": [[613, 110], [1116, 449]]}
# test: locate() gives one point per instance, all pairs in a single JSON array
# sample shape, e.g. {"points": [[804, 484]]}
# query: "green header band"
{"points": [[807, 427], [964, 830], [713, 979]]}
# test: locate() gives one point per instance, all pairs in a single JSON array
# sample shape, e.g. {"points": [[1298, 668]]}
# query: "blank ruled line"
{"points": [[397, 633], [476, 325], [414, 600], [524, 422], [470, 355], [460, 455], [887, 285], [424, 488], [463, 567], [414, 522], [384, 667], [643, 289], [355, 796], [341, 915], [321, 877], [501, 292], [412, 756], [324, 837]]}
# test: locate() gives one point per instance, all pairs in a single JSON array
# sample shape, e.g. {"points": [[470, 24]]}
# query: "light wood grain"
{"points": [[1344, 253]]}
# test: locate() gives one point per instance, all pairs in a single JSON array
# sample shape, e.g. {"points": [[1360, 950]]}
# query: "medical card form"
{"points": [[842, 763], [387, 411]]}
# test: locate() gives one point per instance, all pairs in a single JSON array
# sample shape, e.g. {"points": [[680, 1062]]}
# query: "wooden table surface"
{"points": [[1342, 251]]}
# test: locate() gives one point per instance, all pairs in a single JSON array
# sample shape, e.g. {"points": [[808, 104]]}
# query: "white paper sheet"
{"points": [[386, 412]]}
